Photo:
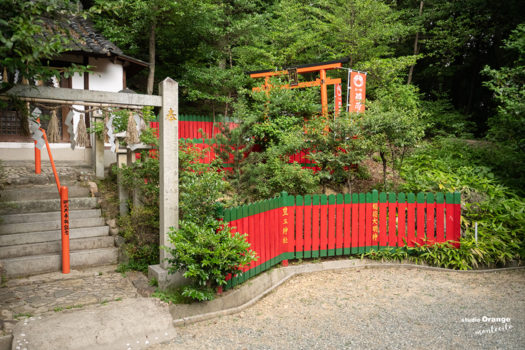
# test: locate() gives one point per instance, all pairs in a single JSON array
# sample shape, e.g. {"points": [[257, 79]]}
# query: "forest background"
{"points": [[445, 101]]}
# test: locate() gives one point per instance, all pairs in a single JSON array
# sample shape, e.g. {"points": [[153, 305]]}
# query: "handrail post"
{"points": [[38, 156], [51, 159], [64, 223]]}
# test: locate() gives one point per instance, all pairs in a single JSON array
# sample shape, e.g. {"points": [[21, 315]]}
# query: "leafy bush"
{"points": [[452, 165], [467, 256], [206, 253], [442, 119], [336, 146], [393, 124], [268, 173]]}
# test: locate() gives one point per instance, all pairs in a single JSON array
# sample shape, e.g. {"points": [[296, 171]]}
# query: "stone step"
{"points": [[26, 193], [45, 205], [54, 235], [52, 215], [49, 225], [21, 250], [36, 264]]}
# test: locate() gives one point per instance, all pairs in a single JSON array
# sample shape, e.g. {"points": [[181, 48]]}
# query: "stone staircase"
{"points": [[30, 232]]}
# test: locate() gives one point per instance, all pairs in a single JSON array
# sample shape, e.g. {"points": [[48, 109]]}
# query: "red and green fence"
{"points": [[190, 127], [316, 226]]}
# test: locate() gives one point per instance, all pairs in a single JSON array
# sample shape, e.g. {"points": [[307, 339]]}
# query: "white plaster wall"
{"points": [[108, 76]]}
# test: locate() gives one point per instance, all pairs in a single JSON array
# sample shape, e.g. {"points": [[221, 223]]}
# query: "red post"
{"points": [[38, 157], [64, 211]]}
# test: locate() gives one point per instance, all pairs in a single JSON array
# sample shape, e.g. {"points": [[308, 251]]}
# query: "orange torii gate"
{"points": [[292, 72]]}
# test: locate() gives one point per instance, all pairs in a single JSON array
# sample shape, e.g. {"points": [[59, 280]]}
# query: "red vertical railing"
{"points": [[299, 227], [64, 204]]}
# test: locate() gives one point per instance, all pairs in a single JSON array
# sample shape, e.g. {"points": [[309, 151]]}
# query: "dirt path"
{"points": [[396, 308]]}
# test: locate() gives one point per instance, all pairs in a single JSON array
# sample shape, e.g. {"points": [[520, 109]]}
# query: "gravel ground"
{"points": [[398, 308]]}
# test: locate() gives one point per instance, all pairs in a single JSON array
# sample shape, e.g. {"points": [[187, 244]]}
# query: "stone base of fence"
{"points": [[164, 279]]}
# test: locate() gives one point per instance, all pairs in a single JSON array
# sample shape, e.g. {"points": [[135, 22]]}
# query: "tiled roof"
{"points": [[85, 38]]}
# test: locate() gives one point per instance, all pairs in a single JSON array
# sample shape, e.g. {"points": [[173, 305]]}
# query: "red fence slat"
{"points": [[299, 224], [383, 207], [347, 226], [315, 226], [411, 220], [392, 224], [307, 226], [339, 233], [331, 225]]}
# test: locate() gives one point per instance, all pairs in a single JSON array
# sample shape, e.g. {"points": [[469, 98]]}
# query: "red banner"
{"points": [[338, 98], [357, 92]]}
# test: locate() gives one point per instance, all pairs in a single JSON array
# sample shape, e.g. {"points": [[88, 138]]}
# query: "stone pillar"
{"points": [[123, 194], [99, 149], [169, 162], [169, 179]]}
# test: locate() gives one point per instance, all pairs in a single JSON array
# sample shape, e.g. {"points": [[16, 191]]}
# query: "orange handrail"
{"points": [[64, 209], [37, 155]]}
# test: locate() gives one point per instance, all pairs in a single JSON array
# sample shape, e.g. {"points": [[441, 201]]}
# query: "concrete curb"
{"points": [[238, 299]]}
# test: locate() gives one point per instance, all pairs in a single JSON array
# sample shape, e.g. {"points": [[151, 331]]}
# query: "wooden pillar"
{"points": [[324, 93], [169, 163]]}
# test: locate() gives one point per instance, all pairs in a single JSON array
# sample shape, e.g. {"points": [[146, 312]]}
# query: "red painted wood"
{"points": [[331, 226], [355, 225], [253, 234], [347, 226], [411, 224], [420, 212], [262, 231], [291, 230], [368, 224], [279, 237], [315, 227], [401, 224], [362, 216], [374, 224], [449, 228], [299, 225], [246, 229], [339, 233], [324, 229], [392, 225], [431, 238], [457, 224], [440, 222], [308, 229], [267, 228], [383, 234]]}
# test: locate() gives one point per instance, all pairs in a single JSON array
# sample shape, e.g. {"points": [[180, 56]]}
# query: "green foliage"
{"points": [[508, 85], [270, 130], [392, 124], [201, 186], [448, 165], [268, 173], [440, 118], [175, 296], [96, 128], [207, 252], [24, 22], [466, 257], [337, 146]]}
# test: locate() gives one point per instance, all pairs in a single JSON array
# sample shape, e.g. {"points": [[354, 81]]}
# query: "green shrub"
{"points": [[453, 165], [206, 253]]}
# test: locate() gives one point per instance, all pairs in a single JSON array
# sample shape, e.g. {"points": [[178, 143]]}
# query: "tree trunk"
{"points": [[416, 48], [151, 75], [383, 159]]}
